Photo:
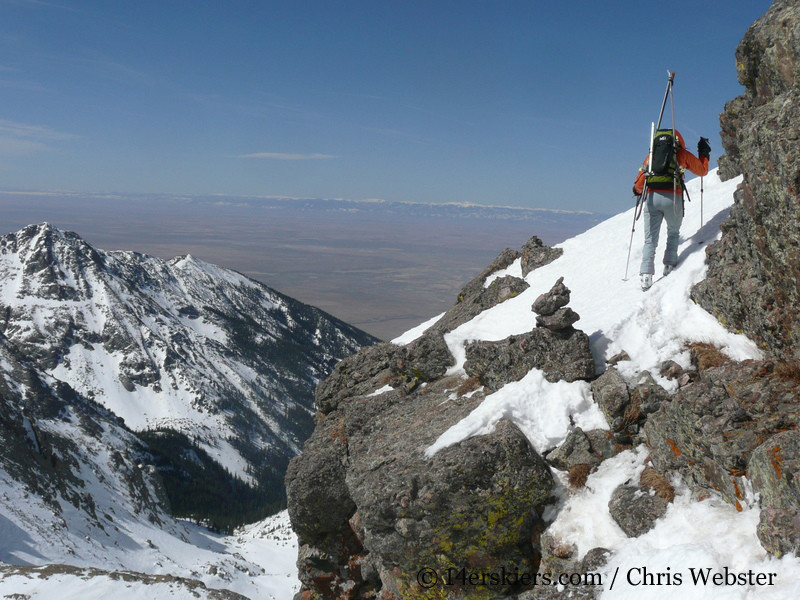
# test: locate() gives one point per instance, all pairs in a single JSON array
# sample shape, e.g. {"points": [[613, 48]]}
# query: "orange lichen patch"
{"points": [[675, 450], [776, 460], [736, 489]]}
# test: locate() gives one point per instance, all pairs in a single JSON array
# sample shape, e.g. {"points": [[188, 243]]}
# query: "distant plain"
{"points": [[383, 267]]}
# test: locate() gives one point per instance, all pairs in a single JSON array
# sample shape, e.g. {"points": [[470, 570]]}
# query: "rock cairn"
{"points": [[552, 310]]}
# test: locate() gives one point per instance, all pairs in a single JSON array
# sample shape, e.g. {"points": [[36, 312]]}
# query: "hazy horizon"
{"points": [[383, 267]]}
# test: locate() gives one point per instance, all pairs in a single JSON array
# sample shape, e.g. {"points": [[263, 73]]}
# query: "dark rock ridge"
{"points": [[86, 576], [740, 420], [753, 282], [371, 508], [535, 254], [475, 296]]}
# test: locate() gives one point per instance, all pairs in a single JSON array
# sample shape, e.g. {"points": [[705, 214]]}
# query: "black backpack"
{"points": [[663, 160]]}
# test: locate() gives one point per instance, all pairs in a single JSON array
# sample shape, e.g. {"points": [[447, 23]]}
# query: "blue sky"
{"points": [[523, 103]]}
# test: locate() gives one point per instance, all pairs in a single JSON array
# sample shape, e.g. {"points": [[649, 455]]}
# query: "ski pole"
{"points": [[674, 149], [636, 213]]}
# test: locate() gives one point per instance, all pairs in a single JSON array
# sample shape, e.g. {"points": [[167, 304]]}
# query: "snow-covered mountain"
{"points": [[172, 346], [82, 517], [128, 383]]}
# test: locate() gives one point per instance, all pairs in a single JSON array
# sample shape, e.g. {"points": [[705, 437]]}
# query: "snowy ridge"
{"points": [[651, 327], [178, 344]]}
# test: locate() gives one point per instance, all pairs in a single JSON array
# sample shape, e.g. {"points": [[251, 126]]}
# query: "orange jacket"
{"points": [[698, 166]]}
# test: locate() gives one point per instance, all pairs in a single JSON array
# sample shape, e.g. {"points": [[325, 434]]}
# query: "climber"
{"points": [[662, 173]]}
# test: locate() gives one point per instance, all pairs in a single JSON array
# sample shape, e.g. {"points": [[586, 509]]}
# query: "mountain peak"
{"points": [[182, 344], [45, 229], [40, 260]]}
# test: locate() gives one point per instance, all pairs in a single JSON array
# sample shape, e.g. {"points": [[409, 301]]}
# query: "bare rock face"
{"points": [[753, 282], [710, 429], [561, 356], [535, 254], [634, 510], [625, 407], [554, 346], [774, 469], [371, 509]]}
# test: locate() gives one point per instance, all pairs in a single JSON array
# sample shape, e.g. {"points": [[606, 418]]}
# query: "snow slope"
{"points": [[82, 517], [651, 327], [256, 562]]}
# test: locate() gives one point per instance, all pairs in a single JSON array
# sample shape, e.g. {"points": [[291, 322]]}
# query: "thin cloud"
{"points": [[30, 86], [20, 139], [38, 3], [286, 156]]}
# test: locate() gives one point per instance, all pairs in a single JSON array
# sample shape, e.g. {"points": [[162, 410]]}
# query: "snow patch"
{"points": [[545, 412], [416, 332], [513, 270]]}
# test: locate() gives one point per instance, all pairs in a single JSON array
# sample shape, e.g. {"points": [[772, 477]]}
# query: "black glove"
{"points": [[703, 149], [635, 193]]}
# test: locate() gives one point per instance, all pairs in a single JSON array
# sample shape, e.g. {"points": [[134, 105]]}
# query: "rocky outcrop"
{"points": [[535, 254], [741, 413], [774, 470], [371, 509], [635, 510], [711, 428], [560, 357], [753, 281], [554, 346], [582, 448], [476, 296], [626, 408]]}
